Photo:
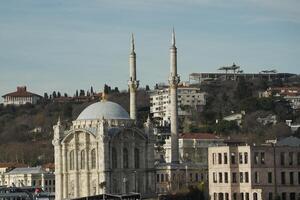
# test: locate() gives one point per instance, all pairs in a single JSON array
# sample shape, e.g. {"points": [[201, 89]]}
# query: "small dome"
{"points": [[106, 109]]}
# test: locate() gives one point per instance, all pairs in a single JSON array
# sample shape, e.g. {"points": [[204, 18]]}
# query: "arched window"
{"points": [[136, 158], [71, 166], [82, 159], [125, 158], [93, 158], [114, 158], [255, 196]]}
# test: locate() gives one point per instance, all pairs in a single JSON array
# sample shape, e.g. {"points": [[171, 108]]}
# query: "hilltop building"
{"points": [[254, 172], [104, 151], [21, 97], [188, 98]]}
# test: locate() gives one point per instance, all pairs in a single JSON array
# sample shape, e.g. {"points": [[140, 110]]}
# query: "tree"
{"points": [[54, 95], [116, 89], [58, 94], [92, 90], [147, 88], [81, 93], [243, 89], [46, 95], [65, 95], [76, 93]]}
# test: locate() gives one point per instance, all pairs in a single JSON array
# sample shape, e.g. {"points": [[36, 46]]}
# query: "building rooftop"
{"points": [[204, 136], [21, 92], [27, 170], [12, 165]]}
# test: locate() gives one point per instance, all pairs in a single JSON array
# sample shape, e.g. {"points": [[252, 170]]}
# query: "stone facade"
{"points": [[254, 172], [95, 156]]}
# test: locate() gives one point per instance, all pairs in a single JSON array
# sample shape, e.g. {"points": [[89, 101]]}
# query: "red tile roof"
{"points": [[205, 136], [21, 92], [12, 165]]}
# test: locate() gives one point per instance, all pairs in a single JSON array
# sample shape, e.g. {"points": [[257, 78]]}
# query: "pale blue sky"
{"points": [[64, 45]]}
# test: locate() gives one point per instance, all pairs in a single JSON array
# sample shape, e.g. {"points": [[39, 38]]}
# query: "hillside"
{"points": [[26, 131]]}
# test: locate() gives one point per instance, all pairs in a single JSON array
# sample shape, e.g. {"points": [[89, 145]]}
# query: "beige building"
{"points": [[193, 167], [29, 176], [254, 172], [21, 97]]}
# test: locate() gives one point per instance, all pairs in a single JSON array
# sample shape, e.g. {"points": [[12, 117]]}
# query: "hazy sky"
{"points": [[64, 45]]}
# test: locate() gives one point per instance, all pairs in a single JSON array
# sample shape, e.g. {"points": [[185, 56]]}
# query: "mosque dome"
{"points": [[106, 109]]}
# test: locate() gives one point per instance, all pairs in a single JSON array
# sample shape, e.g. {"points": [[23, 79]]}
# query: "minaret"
{"points": [[173, 83], [132, 83]]}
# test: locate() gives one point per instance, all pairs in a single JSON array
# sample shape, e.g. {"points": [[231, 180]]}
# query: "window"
{"points": [[136, 158], [282, 158], [256, 158], [71, 160], [219, 158], [242, 196], [214, 158], [234, 196], [114, 158], [283, 196], [298, 158], [292, 196], [247, 196], [270, 177], [262, 157], [291, 178], [196, 177], [225, 158], [299, 178], [221, 196], [241, 177], [233, 177], [215, 196], [255, 196], [232, 158], [214, 177], [220, 177], [191, 177], [93, 158], [246, 158], [247, 177], [241, 158], [226, 177], [226, 196], [82, 159], [162, 178], [256, 177], [291, 158], [270, 196], [282, 177], [125, 158]]}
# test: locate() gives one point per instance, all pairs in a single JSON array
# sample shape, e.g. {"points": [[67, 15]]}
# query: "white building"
{"points": [[103, 151], [254, 172], [29, 176], [188, 98], [21, 97]]}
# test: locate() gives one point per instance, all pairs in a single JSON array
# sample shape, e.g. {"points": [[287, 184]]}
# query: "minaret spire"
{"points": [[133, 84], [173, 38], [132, 43], [173, 84]]}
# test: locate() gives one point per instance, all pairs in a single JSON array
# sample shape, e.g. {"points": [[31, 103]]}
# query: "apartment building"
{"points": [[265, 172], [188, 98]]}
